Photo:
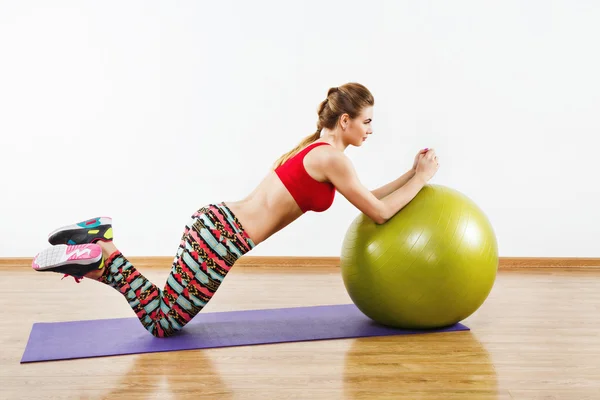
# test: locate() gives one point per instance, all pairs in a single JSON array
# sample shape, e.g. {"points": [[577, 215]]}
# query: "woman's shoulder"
{"points": [[329, 157]]}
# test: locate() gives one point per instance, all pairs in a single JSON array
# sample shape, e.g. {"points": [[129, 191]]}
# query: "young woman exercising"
{"points": [[217, 235]]}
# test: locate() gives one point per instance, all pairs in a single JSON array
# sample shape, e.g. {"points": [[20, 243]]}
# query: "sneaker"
{"points": [[73, 261], [84, 232]]}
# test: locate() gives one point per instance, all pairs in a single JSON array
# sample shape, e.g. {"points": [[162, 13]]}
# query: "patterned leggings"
{"points": [[212, 242]]}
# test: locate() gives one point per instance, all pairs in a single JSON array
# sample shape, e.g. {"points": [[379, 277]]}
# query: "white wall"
{"points": [[146, 110]]}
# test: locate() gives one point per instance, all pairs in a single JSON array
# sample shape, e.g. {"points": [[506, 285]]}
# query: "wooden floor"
{"points": [[536, 337]]}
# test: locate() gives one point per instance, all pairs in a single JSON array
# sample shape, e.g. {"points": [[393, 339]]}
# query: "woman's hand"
{"points": [[428, 165], [418, 157]]}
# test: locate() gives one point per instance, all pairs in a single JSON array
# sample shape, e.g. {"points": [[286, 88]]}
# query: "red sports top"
{"points": [[310, 194]]}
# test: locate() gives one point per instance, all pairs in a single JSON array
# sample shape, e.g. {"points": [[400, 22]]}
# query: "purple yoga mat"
{"points": [[109, 337]]}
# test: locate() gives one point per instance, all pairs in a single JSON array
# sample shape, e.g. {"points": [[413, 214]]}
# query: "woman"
{"points": [[305, 179]]}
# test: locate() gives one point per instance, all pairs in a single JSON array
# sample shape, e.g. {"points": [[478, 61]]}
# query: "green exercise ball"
{"points": [[431, 265]]}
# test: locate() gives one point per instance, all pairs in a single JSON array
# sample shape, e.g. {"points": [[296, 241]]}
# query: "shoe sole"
{"points": [[56, 256], [88, 224]]}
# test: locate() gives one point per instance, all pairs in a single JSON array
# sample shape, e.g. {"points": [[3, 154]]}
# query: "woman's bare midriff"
{"points": [[267, 210]]}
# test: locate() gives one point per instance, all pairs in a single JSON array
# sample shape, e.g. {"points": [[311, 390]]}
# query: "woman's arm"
{"points": [[391, 187], [340, 172]]}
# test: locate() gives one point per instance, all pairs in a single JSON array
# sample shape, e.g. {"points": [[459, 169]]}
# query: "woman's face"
{"points": [[358, 129]]}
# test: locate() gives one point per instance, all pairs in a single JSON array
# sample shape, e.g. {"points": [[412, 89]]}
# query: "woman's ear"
{"points": [[344, 121]]}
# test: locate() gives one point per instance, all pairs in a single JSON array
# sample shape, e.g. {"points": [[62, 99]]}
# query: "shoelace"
{"points": [[77, 279]]}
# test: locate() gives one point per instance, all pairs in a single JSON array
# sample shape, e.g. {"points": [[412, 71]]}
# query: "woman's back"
{"points": [[270, 206]]}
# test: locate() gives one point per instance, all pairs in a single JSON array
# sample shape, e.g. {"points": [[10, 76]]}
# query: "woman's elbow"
{"points": [[380, 221], [380, 217], [383, 214]]}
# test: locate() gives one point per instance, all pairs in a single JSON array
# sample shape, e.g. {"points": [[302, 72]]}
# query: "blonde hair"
{"points": [[350, 99]]}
